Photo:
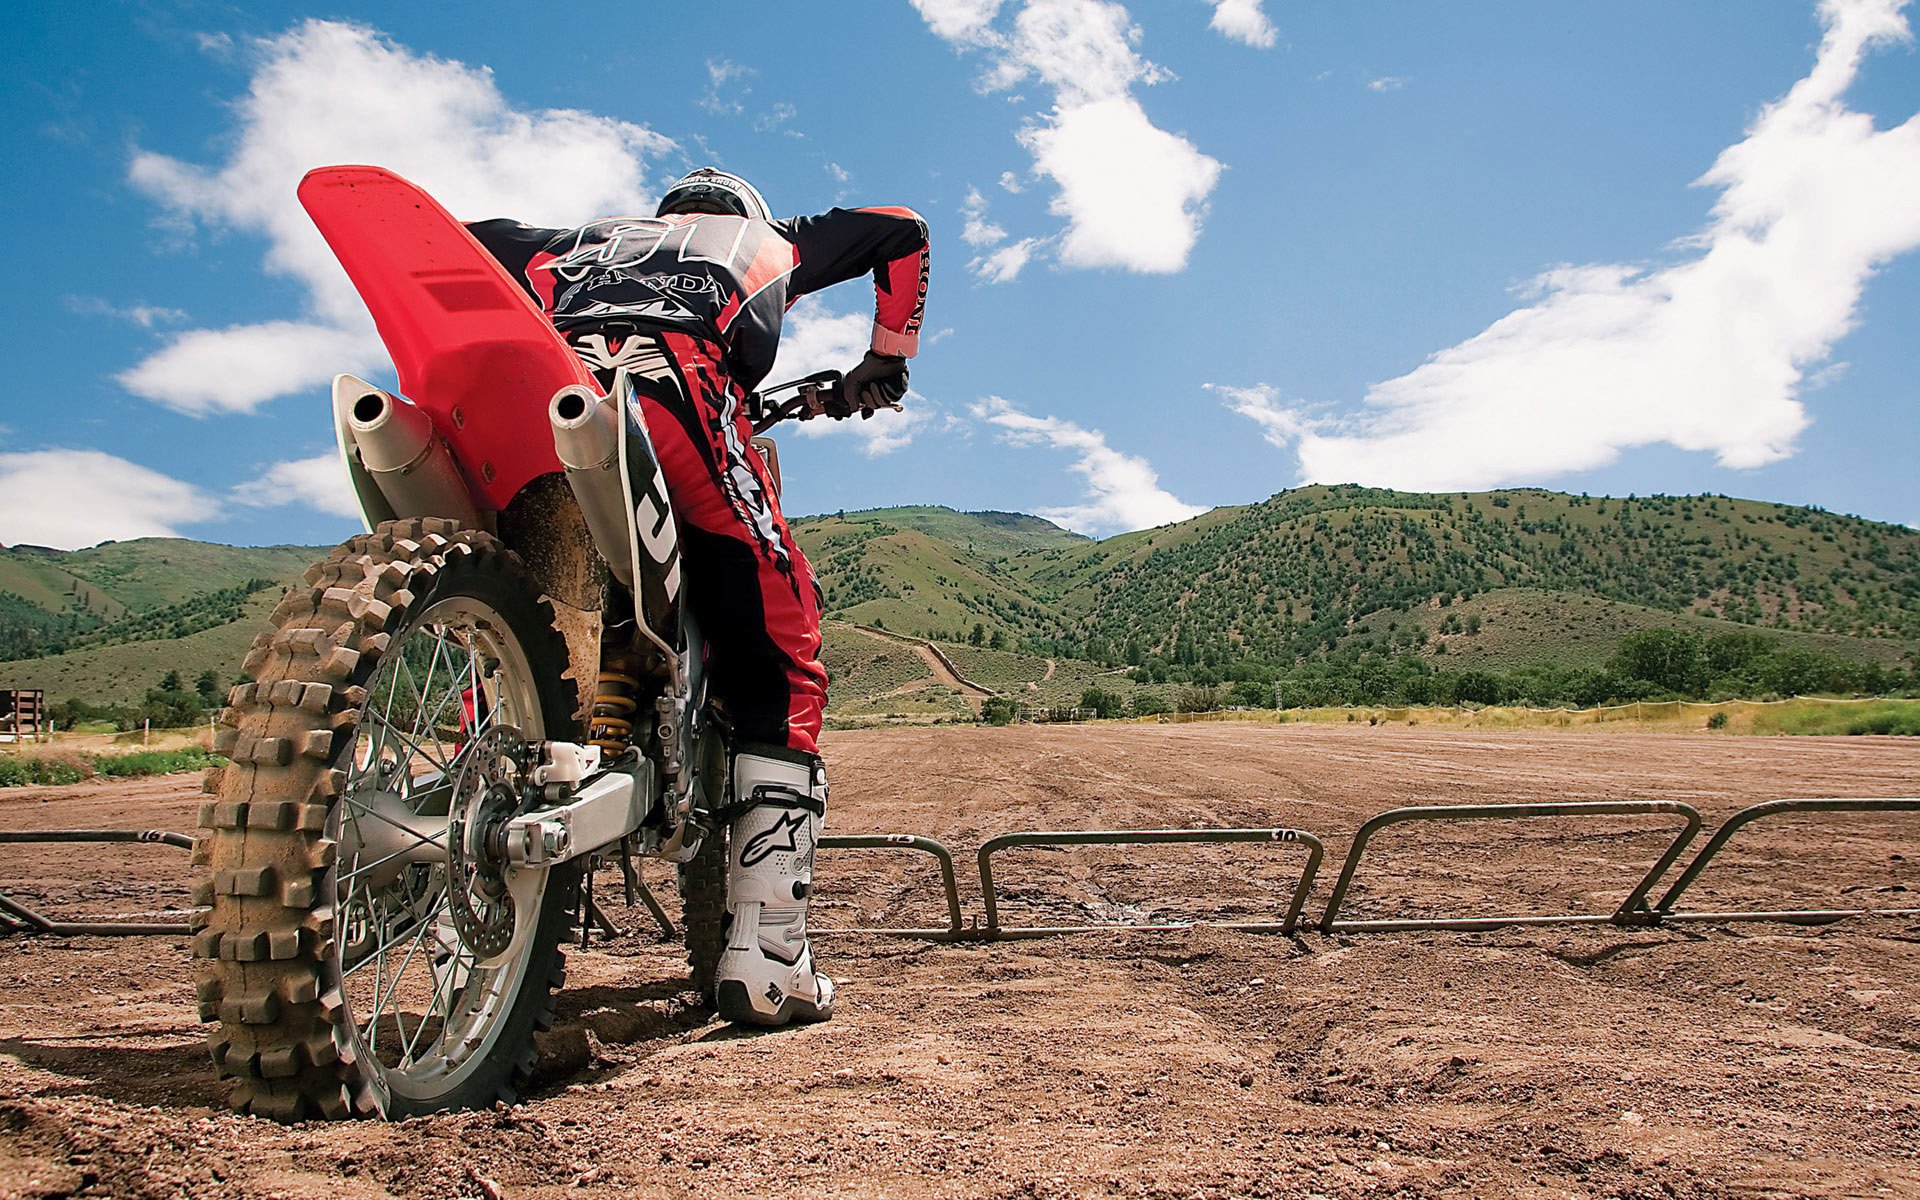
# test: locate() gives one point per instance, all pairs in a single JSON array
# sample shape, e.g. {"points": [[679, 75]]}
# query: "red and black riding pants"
{"points": [[751, 590]]}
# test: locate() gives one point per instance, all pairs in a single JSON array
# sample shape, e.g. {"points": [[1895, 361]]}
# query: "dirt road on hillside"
{"points": [[1706, 1061], [943, 670]]}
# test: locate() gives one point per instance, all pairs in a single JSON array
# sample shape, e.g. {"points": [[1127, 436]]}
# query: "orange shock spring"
{"points": [[615, 699]]}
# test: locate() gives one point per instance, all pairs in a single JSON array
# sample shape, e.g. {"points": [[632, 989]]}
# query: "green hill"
{"points": [[1306, 580], [143, 590], [1542, 578]]}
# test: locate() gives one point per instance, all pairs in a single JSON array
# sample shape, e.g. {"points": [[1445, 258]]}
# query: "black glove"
{"points": [[878, 382]]}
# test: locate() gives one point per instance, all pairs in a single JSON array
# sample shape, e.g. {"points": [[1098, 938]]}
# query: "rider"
{"points": [[689, 301]]}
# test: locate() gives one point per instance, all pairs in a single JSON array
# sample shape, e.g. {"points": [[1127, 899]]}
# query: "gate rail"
{"points": [[906, 841], [1663, 910], [1630, 911], [21, 918], [1146, 837]]}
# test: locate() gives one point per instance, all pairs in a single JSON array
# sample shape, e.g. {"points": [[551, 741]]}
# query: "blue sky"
{"points": [[1186, 253]]}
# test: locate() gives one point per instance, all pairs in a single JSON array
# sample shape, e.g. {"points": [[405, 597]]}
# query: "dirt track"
{"points": [[1704, 1061]]}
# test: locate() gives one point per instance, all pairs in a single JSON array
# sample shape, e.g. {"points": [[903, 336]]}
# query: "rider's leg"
{"points": [[755, 598], [766, 974]]}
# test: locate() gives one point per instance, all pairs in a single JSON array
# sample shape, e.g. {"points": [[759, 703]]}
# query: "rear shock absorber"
{"points": [[616, 698]]}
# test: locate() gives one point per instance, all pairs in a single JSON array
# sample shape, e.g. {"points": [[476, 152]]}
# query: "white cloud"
{"points": [[207, 371], [328, 92], [958, 20], [1123, 492], [1010, 182], [1709, 354], [815, 338], [318, 484], [1005, 264], [1133, 195], [720, 73], [146, 316], [68, 499], [1387, 83], [775, 117], [1261, 405], [977, 230], [1243, 21]]}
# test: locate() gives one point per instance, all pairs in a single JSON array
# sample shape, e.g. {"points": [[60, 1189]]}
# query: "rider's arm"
{"points": [[845, 243]]}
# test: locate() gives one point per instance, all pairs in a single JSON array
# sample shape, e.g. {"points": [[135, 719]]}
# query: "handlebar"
{"points": [[814, 394]]}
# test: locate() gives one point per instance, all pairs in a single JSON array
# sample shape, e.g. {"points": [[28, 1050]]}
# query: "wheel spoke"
{"points": [[409, 743], [400, 974]]}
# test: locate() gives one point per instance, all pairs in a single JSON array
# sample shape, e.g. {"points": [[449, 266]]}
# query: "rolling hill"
{"points": [[1318, 569], [1497, 581]]}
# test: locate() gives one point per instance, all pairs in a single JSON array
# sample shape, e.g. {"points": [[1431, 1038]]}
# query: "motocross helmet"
{"points": [[711, 190]]}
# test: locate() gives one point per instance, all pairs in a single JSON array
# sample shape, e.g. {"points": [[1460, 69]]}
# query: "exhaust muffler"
{"points": [[615, 476], [397, 447], [586, 437]]}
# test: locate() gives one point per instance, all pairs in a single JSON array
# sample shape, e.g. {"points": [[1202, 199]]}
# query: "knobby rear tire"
{"points": [[271, 977], [703, 909]]}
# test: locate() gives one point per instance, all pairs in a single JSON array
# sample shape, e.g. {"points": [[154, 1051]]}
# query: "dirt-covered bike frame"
{"points": [[436, 737]]}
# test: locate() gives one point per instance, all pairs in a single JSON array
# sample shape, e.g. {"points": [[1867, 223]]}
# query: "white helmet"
{"points": [[711, 190]]}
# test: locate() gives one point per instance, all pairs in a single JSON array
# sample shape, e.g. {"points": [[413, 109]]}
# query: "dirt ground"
{"points": [[1704, 1060]]}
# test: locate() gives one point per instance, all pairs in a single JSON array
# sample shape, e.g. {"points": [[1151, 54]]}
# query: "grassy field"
{"points": [[57, 765], [1806, 715]]}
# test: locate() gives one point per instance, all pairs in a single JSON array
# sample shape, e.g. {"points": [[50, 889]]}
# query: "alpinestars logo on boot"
{"points": [[782, 836]]}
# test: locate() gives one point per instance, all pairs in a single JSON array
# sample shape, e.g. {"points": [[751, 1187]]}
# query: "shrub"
{"points": [[1717, 721], [67, 767], [156, 762], [18, 771], [998, 710], [1198, 699], [1146, 704], [1907, 723]]}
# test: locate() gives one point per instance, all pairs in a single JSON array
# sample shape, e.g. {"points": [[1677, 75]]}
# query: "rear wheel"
{"points": [[357, 919], [703, 907]]}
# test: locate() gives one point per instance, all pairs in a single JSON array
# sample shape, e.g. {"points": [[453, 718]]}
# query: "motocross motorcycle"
{"points": [[461, 708]]}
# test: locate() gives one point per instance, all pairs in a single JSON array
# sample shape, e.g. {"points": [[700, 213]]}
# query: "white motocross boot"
{"points": [[766, 974]]}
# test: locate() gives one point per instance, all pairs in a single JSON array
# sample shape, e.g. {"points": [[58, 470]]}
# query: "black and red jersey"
{"points": [[726, 279]]}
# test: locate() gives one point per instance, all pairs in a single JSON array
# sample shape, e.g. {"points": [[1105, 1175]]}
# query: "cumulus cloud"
{"points": [[69, 499], [330, 92], [1132, 195], [1243, 21], [1123, 491], [1707, 354], [318, 484], [816, 338]]}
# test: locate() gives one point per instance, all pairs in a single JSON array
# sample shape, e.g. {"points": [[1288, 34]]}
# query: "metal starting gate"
{"points": [[16, 917], [1632, 911]]}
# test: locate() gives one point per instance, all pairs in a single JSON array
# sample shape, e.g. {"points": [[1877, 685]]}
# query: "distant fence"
{"points": [[23, 714], [1635, 710], [1057, 715]]}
